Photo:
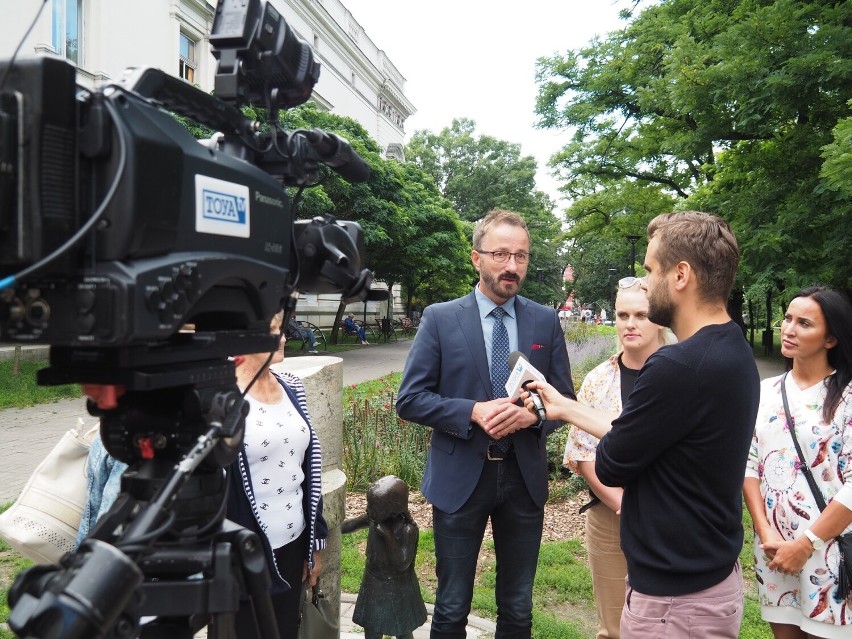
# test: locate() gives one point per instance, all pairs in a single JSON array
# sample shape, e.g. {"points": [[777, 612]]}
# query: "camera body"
{"points": [[123, 228], [188, 234], [144, 259]]}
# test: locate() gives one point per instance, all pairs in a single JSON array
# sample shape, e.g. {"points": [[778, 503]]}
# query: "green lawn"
{"points": [[20, 389], [563, 601]]}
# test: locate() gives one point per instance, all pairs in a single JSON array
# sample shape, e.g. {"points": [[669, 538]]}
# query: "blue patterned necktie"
{"points": [[499, 354], [500, 364]]}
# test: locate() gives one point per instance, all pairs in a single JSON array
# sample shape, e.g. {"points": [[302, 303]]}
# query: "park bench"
{"points": [[296, 336]]}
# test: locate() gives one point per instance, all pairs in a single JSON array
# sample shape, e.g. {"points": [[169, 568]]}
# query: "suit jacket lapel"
{"points": [[471, 327], [526, 325]]}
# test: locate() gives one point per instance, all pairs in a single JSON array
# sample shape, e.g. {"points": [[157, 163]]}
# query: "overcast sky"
{"points": [[476, 59]]}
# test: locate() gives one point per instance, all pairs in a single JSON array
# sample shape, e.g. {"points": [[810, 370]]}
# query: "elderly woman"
{"points": [[275, 487]]}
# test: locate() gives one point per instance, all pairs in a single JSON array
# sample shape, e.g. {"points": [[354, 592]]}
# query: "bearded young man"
{"points": [[679, 447], [487, 457]]}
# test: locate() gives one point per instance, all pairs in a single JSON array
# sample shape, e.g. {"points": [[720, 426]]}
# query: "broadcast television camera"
{"points": [[145, 259]]}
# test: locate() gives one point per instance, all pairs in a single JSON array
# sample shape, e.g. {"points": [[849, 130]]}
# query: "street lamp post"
{"points": [[611, 291], [633, 239]]}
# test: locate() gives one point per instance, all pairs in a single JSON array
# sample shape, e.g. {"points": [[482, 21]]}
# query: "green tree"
{"points": [[480, 173], [722, 105], [437, 262], [837, 168], [599, 223], [477, 174]]}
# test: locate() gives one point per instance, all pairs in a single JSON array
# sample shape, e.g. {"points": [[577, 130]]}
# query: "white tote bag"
{"points": [[42, 523]]}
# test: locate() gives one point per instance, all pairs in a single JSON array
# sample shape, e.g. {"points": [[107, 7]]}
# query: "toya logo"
{"points": [[221, 207], [224, 207]]}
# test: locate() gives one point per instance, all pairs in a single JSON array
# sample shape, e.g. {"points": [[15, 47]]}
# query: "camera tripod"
{"points": [[163, 562]]}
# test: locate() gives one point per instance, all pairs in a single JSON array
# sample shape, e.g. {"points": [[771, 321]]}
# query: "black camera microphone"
{"points": [[521, 373], [334, 151]]}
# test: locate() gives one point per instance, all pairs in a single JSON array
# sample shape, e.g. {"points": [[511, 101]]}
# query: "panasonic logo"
{"points": [[265, 199], [222, 208]]}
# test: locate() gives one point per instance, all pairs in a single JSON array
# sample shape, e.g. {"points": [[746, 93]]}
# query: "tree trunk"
{"points": [[16, 362], [736, 302], [338, 320]]}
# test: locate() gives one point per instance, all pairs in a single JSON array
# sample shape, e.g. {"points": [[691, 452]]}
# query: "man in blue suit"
{"points": [[487, 457]]}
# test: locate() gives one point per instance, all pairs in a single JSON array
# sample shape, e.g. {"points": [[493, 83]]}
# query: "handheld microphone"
{"points": [[522, 372], [536, 400]]}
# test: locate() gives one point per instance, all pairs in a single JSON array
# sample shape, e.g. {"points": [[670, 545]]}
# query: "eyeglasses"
{"points": [[502, 257], [627, 282]]}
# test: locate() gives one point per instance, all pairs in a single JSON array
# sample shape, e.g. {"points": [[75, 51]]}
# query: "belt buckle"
{"points": [[498, 454]]}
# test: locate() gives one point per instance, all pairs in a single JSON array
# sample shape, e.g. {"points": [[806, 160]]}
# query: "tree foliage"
{"points": [[411, 233], [477, 174], [837, 168], [480, 173], [597, 238], [737, 107]]}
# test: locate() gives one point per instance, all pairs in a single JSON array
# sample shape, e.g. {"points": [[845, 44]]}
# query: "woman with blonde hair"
{"points": [[607, 387]]}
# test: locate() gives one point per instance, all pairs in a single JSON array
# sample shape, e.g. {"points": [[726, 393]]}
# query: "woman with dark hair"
{"points": [[274, 486], [796, 554]]}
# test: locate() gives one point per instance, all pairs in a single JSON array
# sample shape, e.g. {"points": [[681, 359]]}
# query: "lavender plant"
{"points": [[376, 442]]}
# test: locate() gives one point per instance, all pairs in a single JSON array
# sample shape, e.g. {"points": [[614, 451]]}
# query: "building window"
{"points": [[68, 29], [187, 58]]}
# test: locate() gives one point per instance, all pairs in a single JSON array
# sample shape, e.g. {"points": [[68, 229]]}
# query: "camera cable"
{"points": [[20, 44]]}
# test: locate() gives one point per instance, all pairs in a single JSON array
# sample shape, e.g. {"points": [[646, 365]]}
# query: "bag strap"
{"points": [[806, 470], [594, 500]]}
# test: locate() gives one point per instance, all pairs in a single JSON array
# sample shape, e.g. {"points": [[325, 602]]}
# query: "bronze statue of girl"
{"points": [[389, 601]]}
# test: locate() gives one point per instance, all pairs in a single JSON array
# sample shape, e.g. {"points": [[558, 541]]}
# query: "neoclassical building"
{"points": [[105, 37]]}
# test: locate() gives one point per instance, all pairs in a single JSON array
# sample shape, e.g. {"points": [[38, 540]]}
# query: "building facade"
{"points": [[105, 37]]}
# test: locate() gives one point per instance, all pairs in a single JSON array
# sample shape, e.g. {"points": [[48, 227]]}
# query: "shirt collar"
{"points": [[486, 304]]}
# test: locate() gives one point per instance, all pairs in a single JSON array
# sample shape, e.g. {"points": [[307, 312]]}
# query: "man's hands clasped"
{"points": [[501, 417]]}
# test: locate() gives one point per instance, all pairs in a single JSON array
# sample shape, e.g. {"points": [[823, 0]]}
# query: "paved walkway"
{"points": [[27, 435]]}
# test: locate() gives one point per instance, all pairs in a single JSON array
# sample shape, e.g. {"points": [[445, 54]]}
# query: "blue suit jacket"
{"points": [[447, 372]]}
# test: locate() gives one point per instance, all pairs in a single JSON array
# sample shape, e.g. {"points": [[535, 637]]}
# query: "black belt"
{"points": [[493, 453]]}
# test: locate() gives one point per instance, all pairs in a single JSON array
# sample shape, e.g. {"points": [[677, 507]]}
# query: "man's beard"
{"points": [[505, 288], [660, 307]]}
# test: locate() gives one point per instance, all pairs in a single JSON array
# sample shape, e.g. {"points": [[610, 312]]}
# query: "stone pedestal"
{"points": [[323, 380]]}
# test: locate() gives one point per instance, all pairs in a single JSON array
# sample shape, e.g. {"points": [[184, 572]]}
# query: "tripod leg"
{"points": [[257, 581]]}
